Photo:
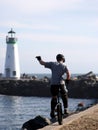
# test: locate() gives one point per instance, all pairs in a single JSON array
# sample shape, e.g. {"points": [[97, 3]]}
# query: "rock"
{"points": [[85, 86], [89, 75], [36, 123], [80, 107], [25, 88]]}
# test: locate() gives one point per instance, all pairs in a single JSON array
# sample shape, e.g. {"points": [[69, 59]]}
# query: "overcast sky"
{"points": [[49, 27]]}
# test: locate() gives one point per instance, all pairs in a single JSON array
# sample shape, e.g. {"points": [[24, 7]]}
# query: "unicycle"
{"points": [[59, 110]]}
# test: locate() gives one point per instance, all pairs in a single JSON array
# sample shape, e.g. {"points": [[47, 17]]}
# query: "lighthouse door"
{"points": [[7, 72]]}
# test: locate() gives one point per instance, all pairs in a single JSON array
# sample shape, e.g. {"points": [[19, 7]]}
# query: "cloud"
{"points": [[89, 5], [93, 23], [38, 6], [45, 6], [24, 26], [59, 38]]}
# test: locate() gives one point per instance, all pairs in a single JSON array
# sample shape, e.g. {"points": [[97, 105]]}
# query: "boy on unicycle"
{"points": [[58, 69]]}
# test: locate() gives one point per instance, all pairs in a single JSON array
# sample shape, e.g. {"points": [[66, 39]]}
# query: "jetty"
{"points": [[85, 120], [82, 86]]}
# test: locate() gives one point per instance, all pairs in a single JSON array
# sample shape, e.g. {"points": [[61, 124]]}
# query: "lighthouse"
{"points": [[12, 68]]}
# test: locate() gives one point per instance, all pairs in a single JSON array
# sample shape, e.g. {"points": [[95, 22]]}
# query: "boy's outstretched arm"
{"points": [[40, 60]]}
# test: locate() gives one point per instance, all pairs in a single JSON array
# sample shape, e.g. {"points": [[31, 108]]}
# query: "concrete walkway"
{"points": [[85, 120]]}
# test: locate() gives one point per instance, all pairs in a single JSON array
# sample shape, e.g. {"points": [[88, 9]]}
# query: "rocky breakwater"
{"points": [[82, 86], [25, 87]]}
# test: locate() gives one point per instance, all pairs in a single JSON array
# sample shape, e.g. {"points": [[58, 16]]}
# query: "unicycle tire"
{"points": [[59, 114]]}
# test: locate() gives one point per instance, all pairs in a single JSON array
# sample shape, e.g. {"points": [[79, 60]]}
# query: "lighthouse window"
{"points": [[14, 73]]}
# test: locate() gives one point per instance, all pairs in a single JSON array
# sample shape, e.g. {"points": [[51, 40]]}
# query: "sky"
{"points": [[50, 27]]}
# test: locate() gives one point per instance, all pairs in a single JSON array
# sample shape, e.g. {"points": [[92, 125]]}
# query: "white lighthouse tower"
{"points": [[12, 69]]}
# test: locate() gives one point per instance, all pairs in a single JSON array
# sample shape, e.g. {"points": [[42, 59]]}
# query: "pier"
{"points": [[85, 120]]}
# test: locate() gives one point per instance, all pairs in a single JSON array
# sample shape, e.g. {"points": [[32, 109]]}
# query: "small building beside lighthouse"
{"points": [[12, 68]]}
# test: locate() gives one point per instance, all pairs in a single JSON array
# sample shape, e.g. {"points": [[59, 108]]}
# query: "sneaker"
{"points": [[52, 114], [66, 112]]}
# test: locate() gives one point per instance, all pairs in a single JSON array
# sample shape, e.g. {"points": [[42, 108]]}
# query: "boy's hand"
{"points": [[67, 81], [38, 58]]}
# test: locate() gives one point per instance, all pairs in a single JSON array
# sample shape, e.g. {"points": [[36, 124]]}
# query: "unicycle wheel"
{"points": [[59, 114]]}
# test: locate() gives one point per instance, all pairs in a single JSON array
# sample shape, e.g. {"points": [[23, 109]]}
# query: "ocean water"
{"points": [[16, 110], [41, 76]]}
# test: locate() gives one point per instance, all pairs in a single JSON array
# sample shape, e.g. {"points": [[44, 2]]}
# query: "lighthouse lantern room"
{"points": [[12, 69]]}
